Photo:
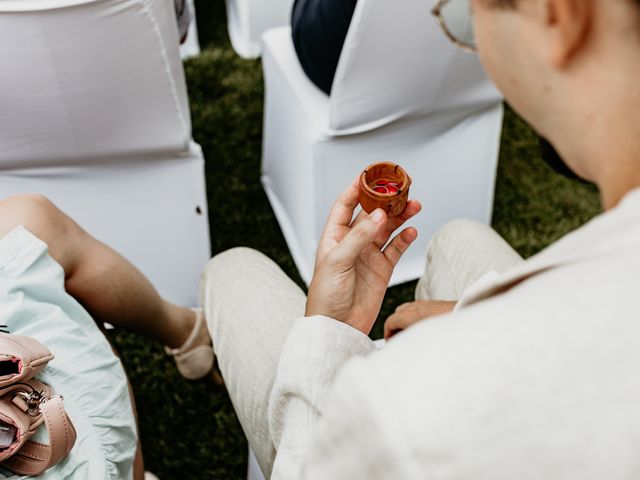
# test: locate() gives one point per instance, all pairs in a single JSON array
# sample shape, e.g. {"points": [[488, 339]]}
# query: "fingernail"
{"points": [[377, 215]]}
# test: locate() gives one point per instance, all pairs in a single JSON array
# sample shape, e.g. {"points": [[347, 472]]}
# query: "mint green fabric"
{"points": [[33, 302]]}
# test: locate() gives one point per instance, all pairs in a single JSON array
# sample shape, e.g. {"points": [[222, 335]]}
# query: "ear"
{"points": [[570, 23]]}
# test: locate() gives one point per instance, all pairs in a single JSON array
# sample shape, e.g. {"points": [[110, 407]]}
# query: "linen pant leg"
{"points": [[250, 306], [458, 255]]}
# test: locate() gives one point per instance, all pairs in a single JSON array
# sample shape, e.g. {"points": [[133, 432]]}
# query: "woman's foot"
{"points": [[194, 358]]}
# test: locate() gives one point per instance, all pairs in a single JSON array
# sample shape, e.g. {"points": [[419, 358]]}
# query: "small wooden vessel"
{"points": [[384, 185]]}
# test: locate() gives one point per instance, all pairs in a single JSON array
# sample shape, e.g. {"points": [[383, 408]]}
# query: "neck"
{"points": [[622, 176], [603, 143]]}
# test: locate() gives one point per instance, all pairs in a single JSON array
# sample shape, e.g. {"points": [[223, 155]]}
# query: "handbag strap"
{"points": [[34, 457]]}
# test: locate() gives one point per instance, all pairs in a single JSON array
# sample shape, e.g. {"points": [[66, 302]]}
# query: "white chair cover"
{"points": [[191, 47], [96, 117], [253, 469], [397, 63], [402, 93], [247, 20]]}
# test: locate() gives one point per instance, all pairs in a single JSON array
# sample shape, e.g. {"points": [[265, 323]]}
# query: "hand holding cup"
{"points": [[355, 260]]}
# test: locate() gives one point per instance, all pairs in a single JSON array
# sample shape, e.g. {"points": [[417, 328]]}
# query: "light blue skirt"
{"points": [[34, 303]]}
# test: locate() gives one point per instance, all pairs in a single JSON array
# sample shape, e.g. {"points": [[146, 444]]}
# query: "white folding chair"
{"points": [[95, 116], [402, 93], [191, 47], [247, 20], [253, 469]]}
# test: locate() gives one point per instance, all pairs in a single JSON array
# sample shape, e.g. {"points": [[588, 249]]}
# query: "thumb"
{"points": [[360, 237]]}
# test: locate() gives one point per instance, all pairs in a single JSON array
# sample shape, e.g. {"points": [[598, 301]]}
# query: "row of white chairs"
{"points": [[248, 20], [74, 132], [96, 117]]}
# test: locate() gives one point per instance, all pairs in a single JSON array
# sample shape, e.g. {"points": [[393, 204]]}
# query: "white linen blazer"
{"points": [[535, 376]]}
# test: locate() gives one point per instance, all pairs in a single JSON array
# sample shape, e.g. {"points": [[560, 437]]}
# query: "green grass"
{"points": [[189, 430]]}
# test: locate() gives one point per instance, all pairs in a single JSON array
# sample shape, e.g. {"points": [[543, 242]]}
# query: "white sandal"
{"points": [[194, 362]]}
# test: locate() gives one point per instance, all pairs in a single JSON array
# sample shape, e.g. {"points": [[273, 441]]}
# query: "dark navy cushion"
{"points": [[319, 28]]}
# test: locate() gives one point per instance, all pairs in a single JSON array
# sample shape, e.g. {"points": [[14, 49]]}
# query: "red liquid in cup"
{"points": [[385, 186]]}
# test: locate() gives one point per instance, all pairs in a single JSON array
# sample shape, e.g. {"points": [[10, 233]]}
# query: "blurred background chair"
{"points": [[191, 47], [253, 469], [247, 20], [402, 93], [95, 116]]}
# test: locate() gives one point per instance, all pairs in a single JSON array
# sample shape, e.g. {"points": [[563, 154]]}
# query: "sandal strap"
{"points": [[188, 343]]}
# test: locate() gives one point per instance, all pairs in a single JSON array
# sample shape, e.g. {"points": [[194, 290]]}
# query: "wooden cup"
{"points": [[392, 203]]}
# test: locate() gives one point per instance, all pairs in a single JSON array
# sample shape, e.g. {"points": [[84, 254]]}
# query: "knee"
{"points": [[42, 218], [454, 232], [35, 212], [234, 259], [31, 203], [447, 246], [461, 226], [228, 272], [231, 266]]}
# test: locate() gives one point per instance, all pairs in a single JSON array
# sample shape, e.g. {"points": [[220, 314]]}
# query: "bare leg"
{"points": [[105, 283], [138, 463], [108, 286]]}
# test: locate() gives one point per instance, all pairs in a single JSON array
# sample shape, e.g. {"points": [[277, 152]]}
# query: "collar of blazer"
{"points": [[610, 233]]}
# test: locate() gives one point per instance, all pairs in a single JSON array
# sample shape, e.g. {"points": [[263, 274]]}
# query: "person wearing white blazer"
{"points": [[533, 374]]}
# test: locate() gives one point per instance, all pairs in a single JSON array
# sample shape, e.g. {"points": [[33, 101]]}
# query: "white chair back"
{"points": [[397, 62], [248, 20], [73, 90], [95, 116], [191, 48]]}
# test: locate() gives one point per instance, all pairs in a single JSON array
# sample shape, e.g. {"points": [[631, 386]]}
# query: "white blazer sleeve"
{"points": [[359, 435], [315, 350]]}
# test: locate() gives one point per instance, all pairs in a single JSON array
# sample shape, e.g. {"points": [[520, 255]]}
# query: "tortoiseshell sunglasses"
{"points": [[456, 19]]}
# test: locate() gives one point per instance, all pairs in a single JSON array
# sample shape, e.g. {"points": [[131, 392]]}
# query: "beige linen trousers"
{"points": [[251, 306]]}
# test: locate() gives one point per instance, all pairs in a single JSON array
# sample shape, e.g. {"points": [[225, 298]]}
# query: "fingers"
{"points": [[338, 220], [342, 210], [360, 217], [360, 237], [409, 313], [397, 322], [405, 306], [412, 208], [393, 223], [400, 243]]}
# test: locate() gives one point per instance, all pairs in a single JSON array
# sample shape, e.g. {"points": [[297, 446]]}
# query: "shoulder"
{"points": [[552, 358]]}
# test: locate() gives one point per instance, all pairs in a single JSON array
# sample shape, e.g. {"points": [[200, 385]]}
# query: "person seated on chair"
{"points": [[319, 28], [534, 374], [57, 285]]}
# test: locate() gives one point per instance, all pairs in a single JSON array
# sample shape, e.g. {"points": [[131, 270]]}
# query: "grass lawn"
{"points": [[189, 430]]}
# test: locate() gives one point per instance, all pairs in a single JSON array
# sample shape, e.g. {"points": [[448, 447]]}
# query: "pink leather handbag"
{"points": [[25, 404]]}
